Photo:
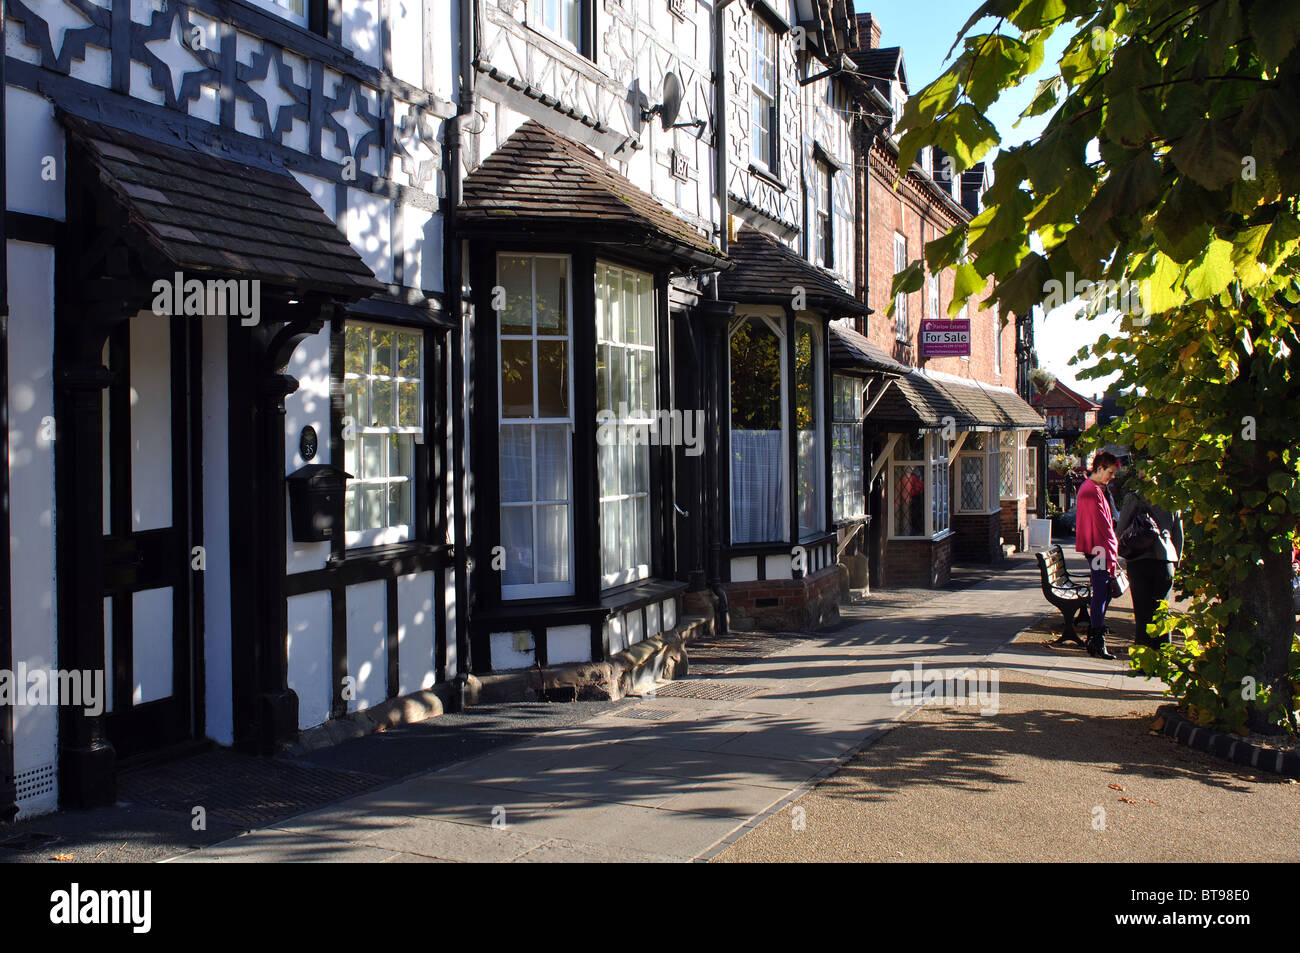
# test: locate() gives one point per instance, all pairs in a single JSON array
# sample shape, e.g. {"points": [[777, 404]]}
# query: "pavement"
{"points": [[674, 776], [773, 748]]}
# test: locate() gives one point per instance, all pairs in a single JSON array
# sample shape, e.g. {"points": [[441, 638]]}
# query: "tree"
{"points": [[1164, 185]]}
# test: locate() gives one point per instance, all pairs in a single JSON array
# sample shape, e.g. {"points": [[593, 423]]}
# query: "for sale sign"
{"points": [[941, 337]]}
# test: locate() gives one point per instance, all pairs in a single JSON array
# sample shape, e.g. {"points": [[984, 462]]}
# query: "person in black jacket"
{"points": [[1151, 568]]}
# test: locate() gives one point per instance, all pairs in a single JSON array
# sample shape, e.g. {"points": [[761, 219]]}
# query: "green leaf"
{"points": [[1024, 287], [1045, 98], [1036, 14], [1268, 124], [908, 281], [932, 102], [1056, 152], [1180, 227], [966, 136], [1212, 271], [1209, 154], [1275, 27], [1130, 117], [966, 281], [993, 63], [943, 252]]}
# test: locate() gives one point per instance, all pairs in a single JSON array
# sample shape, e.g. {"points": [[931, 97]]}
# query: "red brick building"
{"points": [[950, 472], [1066, 411]]}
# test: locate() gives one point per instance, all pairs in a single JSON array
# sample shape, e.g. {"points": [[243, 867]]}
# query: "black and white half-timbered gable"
{"points": [[225, 360]]}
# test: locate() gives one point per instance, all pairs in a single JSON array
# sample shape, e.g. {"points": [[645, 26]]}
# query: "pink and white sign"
{"points": [[941, 337]]}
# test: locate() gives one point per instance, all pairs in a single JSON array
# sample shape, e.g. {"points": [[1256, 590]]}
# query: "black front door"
{"points": [[149, 549]]}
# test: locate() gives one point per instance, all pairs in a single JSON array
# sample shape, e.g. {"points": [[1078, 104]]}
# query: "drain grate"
{"points": [[702, 688], [242, 789], [646, 713], [710, 668]]}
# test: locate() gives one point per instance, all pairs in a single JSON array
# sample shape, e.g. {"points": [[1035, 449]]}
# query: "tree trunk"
{"points": [[1266, 600]]}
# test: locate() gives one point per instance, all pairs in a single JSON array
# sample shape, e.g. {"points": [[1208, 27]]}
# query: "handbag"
{"points": [[1118, 583], [1143, 538]]}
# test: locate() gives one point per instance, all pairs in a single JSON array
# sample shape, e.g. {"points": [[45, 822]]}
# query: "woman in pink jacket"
{"points": [[1094, 529]]}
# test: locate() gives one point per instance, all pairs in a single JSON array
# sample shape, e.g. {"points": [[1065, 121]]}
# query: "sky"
{"points": [[925, 31]]}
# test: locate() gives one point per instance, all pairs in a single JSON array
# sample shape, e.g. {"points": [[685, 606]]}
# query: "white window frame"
{"points": [[847, 481], [823, 210], [997, 342], [935, 452], [540, 589], [1019, 449], [988, 462], [389, 533], [934, 296], [763, 72], [783, 343], [285, 10], [641, 570], [540, 19], [902, 330]]}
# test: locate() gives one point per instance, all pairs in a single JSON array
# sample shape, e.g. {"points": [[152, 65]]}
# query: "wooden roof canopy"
{"points": [[768, 272], [540, 184], [919, 402], [216, 217]]}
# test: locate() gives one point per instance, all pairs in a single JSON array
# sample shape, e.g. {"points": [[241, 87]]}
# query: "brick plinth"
{"points": [[918, 562], [977, 537], [798, 605]]}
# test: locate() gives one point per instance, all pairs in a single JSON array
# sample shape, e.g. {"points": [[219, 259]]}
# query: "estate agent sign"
{"points": [[941, 337]]}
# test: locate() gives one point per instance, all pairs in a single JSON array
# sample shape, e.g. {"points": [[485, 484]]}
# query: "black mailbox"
{"points": [[315, 496]]}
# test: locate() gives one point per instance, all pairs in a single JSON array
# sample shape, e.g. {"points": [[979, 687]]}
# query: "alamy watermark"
{"points": [[1127, 297], [216, 297], [658, 428], [34, 687], [958, 686]]}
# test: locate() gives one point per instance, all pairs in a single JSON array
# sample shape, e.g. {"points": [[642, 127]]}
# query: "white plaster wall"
{"points": [[449, 600], [744, 569], [367, 643], [778, 567], [406, 27], [218, 684], [361, 30], [568, 643], [504, 654], [369, 229], [310, 656], [309, 405], [442, 44], [422, 248], [31, 500], [31, 134], [151, 422], [415, 658]]}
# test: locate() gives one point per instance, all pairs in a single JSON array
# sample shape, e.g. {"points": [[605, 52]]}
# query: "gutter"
{"points": [[8, 788], [454, 290]]}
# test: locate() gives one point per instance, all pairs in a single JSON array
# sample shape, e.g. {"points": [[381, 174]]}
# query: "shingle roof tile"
{"points": [[767, 270]]}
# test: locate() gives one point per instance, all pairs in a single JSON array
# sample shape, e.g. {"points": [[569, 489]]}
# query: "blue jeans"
{"points": [[1100, 579]]}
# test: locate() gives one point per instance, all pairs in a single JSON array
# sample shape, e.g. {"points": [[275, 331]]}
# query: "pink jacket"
{"points": [[1093, 527]]}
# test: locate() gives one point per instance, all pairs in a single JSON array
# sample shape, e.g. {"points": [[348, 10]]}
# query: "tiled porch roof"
{"points": [[919, 402], [849, 349], [768, 272], [217, 217], [541, 183]]}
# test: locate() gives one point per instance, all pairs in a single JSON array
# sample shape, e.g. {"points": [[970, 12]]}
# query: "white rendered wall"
{"points": [[309, 405], [367, 643], [415, 658], [310, 657], [31, 502], [32, 135]]}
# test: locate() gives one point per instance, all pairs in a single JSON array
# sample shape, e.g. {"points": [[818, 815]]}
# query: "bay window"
{"points": [[758, 495], [535, 424], [846, 441], [383, 406], [1011, 464], [625, 403], [940, 505]]}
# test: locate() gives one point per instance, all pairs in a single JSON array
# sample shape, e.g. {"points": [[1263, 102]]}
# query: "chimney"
{"points": [[868, 32]]}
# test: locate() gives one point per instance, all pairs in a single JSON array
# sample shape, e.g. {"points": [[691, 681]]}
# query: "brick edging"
{"points": [[1229, 747]]}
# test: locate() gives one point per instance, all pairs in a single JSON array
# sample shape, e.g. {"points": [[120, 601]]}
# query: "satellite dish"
{"points": [[672, 103]]}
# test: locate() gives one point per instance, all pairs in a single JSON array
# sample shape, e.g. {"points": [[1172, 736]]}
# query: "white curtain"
{"points": [[757, 486]]}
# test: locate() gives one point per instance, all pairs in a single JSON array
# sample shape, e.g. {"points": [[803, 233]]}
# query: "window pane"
{"points": [[516, 464], [755, 368], [972, 483], [355, 404], [374, 507], [552, 296], [516, 277], [552, 462], [516, 378], [553, 543], [382, 358], [408, 404], [909, 501], [351, 509], [399, 503], [383, 412], [517, 541], [354, 349], [603, 399], [372, 457], [552, 378], [408, 356], [611, 533]]}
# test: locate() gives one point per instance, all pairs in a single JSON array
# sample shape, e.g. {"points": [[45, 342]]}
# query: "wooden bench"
{"points": [[1066, 593]]}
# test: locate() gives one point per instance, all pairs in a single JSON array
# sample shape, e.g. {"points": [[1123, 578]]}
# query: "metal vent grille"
{"points": [[716, 691], [646, 713], [710, 668], [34, 782]]}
